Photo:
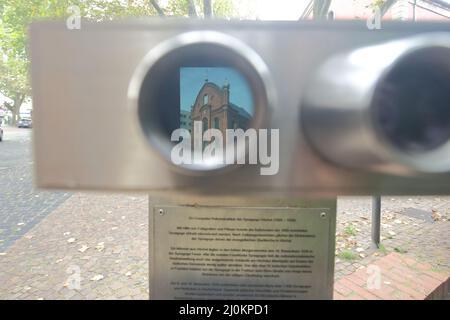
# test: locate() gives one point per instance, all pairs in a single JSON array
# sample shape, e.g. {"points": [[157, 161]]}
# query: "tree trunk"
{"points": [[207, 8], [17, 103], [192, 12], [15, 116]]}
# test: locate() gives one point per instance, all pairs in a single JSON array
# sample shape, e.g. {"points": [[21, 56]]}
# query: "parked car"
{"points": [[24, 123], [1, 134]]}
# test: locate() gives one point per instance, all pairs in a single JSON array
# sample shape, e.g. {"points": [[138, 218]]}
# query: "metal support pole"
{"points": [[376, 220]]}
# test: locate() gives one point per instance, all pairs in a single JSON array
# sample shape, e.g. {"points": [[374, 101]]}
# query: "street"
{"points": [[21, 206]]}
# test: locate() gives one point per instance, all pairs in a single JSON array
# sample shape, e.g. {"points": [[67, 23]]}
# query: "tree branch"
{"points": [[157, 8], [386, 6], [8, 106], [320, 8]]}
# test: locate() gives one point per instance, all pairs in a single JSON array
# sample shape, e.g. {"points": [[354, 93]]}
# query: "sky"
{"points": [[272, 10], [293, 9], [192, 80], [267, 9]]}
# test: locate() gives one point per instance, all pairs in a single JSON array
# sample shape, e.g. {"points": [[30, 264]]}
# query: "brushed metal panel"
{"points": [[86, 137], [215, 252]]}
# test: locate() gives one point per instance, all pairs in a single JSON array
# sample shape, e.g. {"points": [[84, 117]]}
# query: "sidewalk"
{"points": [[103, 236]]}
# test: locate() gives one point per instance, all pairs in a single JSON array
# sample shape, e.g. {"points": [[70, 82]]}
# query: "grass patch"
{"points": [[347, 255], [350, 230], [400, 250], [382, 249]]}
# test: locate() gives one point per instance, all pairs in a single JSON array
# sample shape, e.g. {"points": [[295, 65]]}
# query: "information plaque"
{"points": [[241, 253]]}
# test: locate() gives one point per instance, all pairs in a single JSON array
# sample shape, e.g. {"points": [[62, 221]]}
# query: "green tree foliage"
{"points": [[14, 20], [221, 8], [16, 15]]}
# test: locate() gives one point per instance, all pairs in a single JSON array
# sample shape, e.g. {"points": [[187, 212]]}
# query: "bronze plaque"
{"points": [[241, 253]]}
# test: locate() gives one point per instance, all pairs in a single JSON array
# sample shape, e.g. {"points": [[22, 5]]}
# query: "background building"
{"points": [[185, 120], [403, 10]]}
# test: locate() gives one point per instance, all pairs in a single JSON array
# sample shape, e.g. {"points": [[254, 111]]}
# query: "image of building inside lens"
{"points": [[218, 97]]}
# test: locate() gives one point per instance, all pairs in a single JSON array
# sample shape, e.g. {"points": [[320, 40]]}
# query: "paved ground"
{"points": [[21, 206], [98, 241], [394, 277], [102, 240], [422, 238], [95, 246]]}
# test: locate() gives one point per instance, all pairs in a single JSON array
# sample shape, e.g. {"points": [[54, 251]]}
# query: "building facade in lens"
{"points": [[213, 108]]}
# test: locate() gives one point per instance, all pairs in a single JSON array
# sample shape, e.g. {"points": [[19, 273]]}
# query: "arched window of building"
{"points": [[216, 123], [205, 127], [205, 99], [205, 124]]}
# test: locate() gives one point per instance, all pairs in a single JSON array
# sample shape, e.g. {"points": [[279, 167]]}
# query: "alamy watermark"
{"points": [[374, 277], [209, 146], [73, 22], [374, 22], [73, 282]]}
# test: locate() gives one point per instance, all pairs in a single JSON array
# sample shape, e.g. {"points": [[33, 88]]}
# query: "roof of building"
{"points": [[242, 112]]}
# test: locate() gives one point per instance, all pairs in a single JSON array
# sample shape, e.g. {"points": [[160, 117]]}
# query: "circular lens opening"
{"points": [[411, 105], [190, 96]]}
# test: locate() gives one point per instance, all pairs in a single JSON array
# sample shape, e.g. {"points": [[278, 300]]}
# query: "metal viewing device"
{"points": [[358, 111], [347, 110]]}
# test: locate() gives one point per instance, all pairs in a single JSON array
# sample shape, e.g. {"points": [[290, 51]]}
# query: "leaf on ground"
{"points": [[100, 246], [436, 215], [83, 248], [97, 277], [71, 240]]}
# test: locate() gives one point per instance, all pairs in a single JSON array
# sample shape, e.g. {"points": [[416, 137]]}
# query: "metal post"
{"points": [[376, 220]]}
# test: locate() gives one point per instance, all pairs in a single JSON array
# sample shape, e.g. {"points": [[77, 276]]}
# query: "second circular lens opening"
{"points": [[411, 105]]}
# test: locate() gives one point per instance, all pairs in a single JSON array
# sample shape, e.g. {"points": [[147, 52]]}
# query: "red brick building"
{"points": [[213, 108]]}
